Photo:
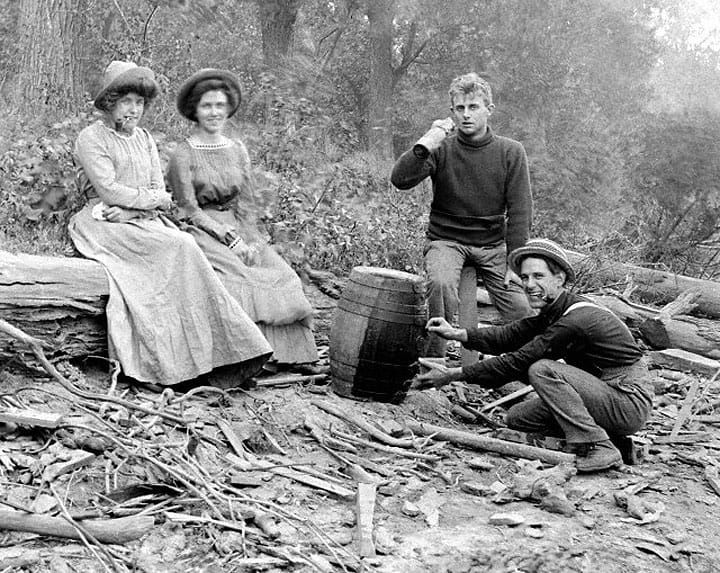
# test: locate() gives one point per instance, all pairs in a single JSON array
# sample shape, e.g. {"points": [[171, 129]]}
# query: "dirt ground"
{"points": [[447, 509]]}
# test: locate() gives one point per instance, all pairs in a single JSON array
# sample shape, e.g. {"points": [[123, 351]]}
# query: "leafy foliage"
{"points": [[38, 193], [677, 176], [586, 86], [350, 215]]}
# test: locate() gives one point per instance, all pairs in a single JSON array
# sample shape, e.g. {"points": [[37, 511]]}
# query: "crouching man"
{"points": [[598, 394]]}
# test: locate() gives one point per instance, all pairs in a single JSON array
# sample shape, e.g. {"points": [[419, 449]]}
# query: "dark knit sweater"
{"points": [[481, 190], [590, 338]]}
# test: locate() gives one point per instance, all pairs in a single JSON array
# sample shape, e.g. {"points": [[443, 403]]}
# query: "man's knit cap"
{"points": [[545, 249]]}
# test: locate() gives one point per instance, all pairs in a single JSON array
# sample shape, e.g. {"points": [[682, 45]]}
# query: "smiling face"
{"points": [[212, 111], [541, 285], [470, 113], [128, 110]]}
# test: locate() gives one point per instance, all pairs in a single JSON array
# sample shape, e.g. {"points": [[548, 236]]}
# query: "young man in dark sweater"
{"points": [[600, 391], [482, 204]]}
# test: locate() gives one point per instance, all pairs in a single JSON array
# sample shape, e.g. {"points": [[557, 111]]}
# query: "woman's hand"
{"points": [[248, 253], [165, 201], [116, 214], [438, 325]]}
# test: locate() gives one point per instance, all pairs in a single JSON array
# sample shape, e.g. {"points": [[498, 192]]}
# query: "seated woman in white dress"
{"points": [[211, 180], [170, 319]]}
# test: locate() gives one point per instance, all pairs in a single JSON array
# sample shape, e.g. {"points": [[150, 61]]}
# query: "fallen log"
{"points": [[698, 335], [117, 531], [58, 299], [652, 285], [62, 299], [485, 443]]}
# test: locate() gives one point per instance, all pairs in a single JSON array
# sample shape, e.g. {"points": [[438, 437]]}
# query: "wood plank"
{"points": [[693, 438], [678, 359], [31, 417], [686, 407], [364, 511], [509, 398]]}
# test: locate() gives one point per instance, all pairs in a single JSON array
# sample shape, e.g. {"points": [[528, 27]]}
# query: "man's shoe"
{"points": [[597, 456]]}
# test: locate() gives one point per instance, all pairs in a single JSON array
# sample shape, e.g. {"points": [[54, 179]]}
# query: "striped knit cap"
{"points": [[543, 248]]}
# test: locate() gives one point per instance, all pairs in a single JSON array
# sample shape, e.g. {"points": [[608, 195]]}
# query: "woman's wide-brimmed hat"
{"points": [[183, 104], [119, 74], [543, 248]]}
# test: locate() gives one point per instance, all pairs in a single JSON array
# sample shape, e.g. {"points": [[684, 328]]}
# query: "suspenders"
{"points": [[583, 304]]}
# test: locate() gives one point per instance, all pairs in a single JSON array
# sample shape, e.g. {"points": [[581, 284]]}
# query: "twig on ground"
{"points": [[363, 425], [476, 441], [384, 448], [85, 536], [35, 346]]}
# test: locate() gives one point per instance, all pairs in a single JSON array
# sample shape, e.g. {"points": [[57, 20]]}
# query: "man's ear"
{"points": [[491, 107]]}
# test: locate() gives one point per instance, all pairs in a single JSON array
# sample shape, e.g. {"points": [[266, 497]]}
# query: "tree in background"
{"points": [[677, 190], [332, 90], [380, 39], [46, 66], [277, 25]]}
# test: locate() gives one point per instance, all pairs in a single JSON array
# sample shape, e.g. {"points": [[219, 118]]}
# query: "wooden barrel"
{"points": [[377, 334]]}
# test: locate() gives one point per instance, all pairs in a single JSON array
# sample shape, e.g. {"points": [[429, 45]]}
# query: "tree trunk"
{"points": [[277, 23], [49, 53], [380, 86]]}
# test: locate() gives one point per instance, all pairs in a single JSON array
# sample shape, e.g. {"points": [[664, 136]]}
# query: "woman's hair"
{"points": [[143, 87], [199, 89]]}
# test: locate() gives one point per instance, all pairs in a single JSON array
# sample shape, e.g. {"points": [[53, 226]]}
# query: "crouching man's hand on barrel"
{"points": [[438, 325], [436, 378]]}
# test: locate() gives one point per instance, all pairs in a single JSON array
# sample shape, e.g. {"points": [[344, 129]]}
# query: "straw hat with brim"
{"points": [[119, 74], [543, 248], [183, 104]]}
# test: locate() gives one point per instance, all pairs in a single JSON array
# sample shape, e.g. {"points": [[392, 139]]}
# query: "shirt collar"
{"points": [[482, 142]]}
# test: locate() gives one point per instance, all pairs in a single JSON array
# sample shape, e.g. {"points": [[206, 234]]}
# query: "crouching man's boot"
{"points": [[596, 456]]}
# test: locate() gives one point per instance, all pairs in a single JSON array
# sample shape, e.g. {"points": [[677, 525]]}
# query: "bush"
{"points": [[38, 193], [350, 215]]}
